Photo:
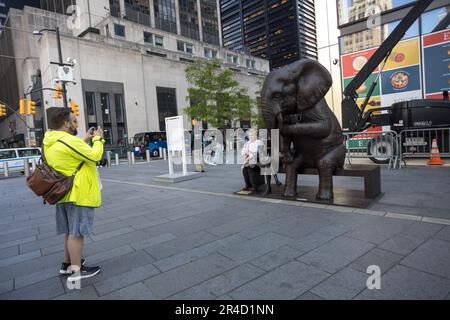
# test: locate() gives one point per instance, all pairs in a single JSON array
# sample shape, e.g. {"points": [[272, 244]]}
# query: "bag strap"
{"points": [[80, 165]]}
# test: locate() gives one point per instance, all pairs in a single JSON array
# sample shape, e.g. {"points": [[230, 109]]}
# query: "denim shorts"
{"points": [[74, 220]]}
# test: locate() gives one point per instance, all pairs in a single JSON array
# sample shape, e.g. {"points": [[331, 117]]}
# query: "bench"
{"points": [[370, 173]]}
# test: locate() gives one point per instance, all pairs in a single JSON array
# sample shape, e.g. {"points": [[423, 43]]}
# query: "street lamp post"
{"points": [[58, 43], [60, 58]]}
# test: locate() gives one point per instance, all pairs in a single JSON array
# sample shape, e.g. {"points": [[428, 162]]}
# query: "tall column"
{"points": [[152, 13], [123, 13], [219, 18], [177, 14], [200, 25]]}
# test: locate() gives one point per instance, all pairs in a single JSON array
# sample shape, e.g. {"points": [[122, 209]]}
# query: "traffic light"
{"points": [[58, 92], [75, 109], [22, 104], [31, 107], [2, 110]]}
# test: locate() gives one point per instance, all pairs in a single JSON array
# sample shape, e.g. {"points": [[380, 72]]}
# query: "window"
{"points": [[413, 31], [118, 98], [90, 107], [231, 58], [29, 152], [250, 64], [107, 134], [167, 105], [431, 19], [189, 48], [107, 30], [153, 39], [185, 47], [165, 15], [104, 105], [351, 10], [119, 30], [209, 21], [10, 154], [148, 37], [159, 41], [157, 54], [210, 53], [189, 18]]}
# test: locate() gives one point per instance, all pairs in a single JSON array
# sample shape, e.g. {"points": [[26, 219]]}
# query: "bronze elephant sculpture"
{"points": [[292, 100]]}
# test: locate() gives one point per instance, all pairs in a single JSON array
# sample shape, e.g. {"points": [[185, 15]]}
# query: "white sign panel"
{"points": [[65, 74], [175, 133], [175, 141]]}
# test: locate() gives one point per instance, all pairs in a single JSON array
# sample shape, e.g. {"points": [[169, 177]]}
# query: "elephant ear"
{"points": [[313, 81]]}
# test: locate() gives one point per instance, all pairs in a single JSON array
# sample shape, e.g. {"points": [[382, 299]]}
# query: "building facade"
{"points": [[281, 31], [129, 75], [418, 66], [5, 5], [328, 50]]}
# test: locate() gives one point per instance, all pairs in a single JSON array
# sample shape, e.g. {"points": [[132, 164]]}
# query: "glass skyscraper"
{"points": [[281, 31]]}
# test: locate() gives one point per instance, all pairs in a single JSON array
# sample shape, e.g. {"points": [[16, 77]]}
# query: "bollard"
{"points": [[160, 153], [5, 167], [165, 154], [132, 158], [117, 159], [129, 157], [147, 155], [26, 166], [108, 158]]}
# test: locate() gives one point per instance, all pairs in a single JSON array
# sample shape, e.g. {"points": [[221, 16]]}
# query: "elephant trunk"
{"points": [[271, 114]]}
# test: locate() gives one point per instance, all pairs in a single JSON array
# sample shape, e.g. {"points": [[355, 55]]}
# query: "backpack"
{"points": [[48, 183]]}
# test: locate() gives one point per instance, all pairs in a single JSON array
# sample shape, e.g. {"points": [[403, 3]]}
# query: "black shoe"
{"points": [[84, 273], [65, 267]]}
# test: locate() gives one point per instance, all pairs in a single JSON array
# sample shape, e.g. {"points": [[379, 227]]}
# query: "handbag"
{"points": [[48, 183]]}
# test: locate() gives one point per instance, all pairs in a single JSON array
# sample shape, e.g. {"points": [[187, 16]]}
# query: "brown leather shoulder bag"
{"points": [[48, 183]]}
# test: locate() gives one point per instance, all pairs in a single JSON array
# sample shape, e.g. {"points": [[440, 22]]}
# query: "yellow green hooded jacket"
{"points": [[86, 186]]}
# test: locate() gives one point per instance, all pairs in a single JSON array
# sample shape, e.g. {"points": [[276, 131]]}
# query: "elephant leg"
{"points": [[325, 180], [290, 186], [326, 166]]}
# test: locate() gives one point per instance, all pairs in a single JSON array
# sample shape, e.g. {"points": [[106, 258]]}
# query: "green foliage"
{"points": [[257, 116], [215, 95]]}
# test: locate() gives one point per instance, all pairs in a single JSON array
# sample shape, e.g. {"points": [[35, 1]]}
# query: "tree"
{"points": [[215, 95], [257, 116]]}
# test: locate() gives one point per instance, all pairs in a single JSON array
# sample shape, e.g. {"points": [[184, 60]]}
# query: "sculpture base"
{"points": [[177, 177], [342, 196]]}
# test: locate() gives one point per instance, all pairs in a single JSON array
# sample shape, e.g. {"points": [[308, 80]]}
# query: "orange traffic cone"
{"points": [[435, 159]]}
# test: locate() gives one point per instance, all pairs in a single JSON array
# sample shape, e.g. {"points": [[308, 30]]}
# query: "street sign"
{"points": [[65, 74]]}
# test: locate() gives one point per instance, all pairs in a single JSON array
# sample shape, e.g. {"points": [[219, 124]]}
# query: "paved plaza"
{"points": [[197, 240]]}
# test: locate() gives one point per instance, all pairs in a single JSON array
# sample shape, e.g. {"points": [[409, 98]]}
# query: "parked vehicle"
{"points": [[15, 158], [416, 114], [152, 141]]}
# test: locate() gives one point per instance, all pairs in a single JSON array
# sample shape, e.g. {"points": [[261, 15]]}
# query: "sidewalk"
{"points": [[196, 240]]}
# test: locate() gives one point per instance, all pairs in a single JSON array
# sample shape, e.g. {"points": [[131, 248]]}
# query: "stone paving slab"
{"points": [[196, 240], [405, 283], [343, 285], [433, 257], [284, 283], [336, 254]]}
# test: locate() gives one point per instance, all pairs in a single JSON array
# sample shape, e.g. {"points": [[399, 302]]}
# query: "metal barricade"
{"points": [[379, 146], [417, 143]]}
